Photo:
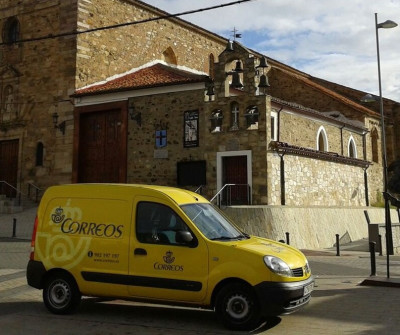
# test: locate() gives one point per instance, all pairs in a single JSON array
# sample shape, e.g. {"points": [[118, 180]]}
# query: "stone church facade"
{"points": [[167, 102]]}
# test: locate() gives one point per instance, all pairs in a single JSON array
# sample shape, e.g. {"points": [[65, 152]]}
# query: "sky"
{"points": [[332, 40]]}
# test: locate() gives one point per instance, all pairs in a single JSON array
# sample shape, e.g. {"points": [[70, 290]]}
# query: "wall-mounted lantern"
{"points": [[60, 126], [136, 116]]}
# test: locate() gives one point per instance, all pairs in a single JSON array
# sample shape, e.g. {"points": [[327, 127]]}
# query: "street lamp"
{"points": [[388, 225]]}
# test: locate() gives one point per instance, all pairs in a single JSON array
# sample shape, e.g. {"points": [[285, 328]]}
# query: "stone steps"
{"points": [[11, 206]]}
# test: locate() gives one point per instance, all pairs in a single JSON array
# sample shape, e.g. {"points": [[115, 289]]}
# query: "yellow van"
{"points": [[159, 244]]}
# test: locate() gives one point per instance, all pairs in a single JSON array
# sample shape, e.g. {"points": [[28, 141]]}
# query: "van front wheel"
{"points": [[237, 306], [61, 294]]}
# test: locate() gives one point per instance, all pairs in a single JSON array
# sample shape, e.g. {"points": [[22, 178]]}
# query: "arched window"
{"points": [[11, 30], [169, 56], [252, 117], [351, 148], [374, 145], [322, 140], [211, 60], [216, 121], [39, 154], [234, 116]]}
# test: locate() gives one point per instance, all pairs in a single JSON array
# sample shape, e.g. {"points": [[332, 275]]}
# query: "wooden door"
{"points": [[9, 166], [235, 172], [100, 157]]}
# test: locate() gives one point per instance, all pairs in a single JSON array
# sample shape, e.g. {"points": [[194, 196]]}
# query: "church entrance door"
{"points": [[235, 172], [100, 148]]}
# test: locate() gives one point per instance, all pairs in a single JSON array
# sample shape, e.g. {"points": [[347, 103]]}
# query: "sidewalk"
{"points": [[354, 261], [24, 224]]}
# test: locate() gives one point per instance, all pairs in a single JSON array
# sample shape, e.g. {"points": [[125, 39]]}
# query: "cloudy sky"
{"points": [[333, 40]]}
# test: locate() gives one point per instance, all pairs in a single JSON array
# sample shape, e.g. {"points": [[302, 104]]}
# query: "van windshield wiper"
{"points": [[228, 238]]}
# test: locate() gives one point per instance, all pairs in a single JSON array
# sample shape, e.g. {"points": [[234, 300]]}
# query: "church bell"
{"points": [[263, 63], [263, 81], [238, 67], [236, 80]]}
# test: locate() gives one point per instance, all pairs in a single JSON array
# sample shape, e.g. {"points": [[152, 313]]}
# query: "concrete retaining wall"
{"points": [[310, 227]]}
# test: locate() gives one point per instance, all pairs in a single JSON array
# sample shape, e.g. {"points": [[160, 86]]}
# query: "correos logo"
{"points": [[168, 266], [70, 226]]}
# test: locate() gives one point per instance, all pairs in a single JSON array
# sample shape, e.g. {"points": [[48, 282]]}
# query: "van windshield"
{"points": [[213, 224]]}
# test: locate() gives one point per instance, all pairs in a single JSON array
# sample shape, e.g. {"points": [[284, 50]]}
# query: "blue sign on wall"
{"points": [[161, 138]]}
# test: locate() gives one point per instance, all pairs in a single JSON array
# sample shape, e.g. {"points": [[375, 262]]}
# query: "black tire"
{"points": [[237, 307], [61, 294]]}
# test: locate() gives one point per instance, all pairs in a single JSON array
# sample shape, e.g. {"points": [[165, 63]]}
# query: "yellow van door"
{"points": [[164, 263]]}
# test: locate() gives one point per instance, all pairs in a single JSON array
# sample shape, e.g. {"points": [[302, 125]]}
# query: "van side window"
{"points": [[157, 224]]}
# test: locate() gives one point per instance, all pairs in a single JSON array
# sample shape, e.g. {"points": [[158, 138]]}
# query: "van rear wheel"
{"points": [[61, 294], [237, 306]]}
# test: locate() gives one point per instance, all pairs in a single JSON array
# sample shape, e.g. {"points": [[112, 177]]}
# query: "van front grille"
{"points": [[298, 272]]}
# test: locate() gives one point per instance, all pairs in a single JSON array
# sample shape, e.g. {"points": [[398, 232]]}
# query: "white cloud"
{"points": [[333, 40]]}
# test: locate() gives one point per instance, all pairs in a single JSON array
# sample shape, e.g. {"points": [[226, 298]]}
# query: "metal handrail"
{"points": [[229, 196], [37, 190], [19, 193], [199, 189]]}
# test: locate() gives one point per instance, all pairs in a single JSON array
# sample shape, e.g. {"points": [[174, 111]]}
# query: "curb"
{"points": [[381, 281]]}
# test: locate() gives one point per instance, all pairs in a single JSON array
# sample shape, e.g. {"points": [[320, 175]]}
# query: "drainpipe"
{"points": [[365, 145], [341, 139], [283, 200], [279, 125], [366, 186]]}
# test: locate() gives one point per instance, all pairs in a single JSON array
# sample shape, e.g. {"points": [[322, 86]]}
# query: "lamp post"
{"points": [[388, 225]]}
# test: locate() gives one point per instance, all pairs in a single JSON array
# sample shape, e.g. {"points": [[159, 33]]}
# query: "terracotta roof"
{"points": [[153, 76]]}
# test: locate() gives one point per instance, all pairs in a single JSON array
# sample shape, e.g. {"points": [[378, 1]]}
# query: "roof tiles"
{"points": [[152, 76]]}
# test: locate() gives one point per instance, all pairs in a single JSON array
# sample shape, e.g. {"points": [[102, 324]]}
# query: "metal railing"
{"points": [[36, 189], [199, 190], [225, 194]]}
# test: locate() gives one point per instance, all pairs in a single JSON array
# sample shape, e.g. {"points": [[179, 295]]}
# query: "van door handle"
{"points": [[140, 251]]}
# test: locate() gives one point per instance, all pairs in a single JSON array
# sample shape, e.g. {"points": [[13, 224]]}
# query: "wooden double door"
{"points": [[9, 167], [101, 147]]}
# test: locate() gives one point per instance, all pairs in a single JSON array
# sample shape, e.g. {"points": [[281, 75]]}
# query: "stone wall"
{"points": [[147, 163], [300, 130], [119, 50], [313, 182], [309, 227], [44, 79]]}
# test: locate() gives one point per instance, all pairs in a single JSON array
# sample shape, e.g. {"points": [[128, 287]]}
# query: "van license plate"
{"points": [[308, 289]]}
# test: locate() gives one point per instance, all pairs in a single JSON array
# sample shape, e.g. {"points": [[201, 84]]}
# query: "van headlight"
{"points": [[278, 266]]}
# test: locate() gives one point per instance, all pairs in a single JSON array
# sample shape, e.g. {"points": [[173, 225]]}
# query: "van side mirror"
{"points": [[184, 237]]}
